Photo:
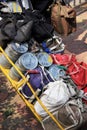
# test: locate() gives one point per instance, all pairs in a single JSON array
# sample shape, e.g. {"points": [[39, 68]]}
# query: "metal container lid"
{"points": [[44, 59], [20, 48], [29, 61]]}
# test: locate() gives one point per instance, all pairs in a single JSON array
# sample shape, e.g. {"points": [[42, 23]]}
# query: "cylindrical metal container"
{"points": [[13, 51], [27, 61]]}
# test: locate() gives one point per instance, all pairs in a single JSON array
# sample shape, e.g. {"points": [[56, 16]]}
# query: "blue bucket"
{"points": [[27, 61], [13, 50]]}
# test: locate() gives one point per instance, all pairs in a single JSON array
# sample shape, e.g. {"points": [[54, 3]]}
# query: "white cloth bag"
{"points": [[56, 94]]}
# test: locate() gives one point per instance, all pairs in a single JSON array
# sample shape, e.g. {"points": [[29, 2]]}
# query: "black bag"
{"points": [[24, 32], [41, 29], [14, 27], [8, 28], [43, 7], [7, 31]]}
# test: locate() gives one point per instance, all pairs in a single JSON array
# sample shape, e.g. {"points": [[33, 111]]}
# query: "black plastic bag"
{"points": [[24, 32], [41, 29], [7, 31]]}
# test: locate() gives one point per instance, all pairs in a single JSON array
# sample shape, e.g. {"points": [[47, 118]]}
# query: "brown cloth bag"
{"points": [[63, 18]]}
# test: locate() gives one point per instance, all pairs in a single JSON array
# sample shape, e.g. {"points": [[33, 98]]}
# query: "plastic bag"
{"points": [[56, 95]]}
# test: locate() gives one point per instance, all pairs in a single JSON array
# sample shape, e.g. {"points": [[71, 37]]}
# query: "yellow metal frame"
{"points": [[16, 85]]}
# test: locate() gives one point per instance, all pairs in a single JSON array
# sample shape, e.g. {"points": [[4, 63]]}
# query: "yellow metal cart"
{"points": [[17, 84]]}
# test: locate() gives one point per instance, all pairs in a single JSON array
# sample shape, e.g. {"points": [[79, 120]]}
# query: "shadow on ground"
{"points": [[77, 42]]}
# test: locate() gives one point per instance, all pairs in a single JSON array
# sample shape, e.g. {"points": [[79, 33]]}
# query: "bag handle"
{"points": [[46, 46], [77, 69], [72, 114], [45, 72]]}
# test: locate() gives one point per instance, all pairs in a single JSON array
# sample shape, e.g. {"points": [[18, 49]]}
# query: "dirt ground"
{"points": [[14, 115]]}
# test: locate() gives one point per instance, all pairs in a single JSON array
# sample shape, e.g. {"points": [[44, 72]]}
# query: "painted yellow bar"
{"points": [[26, 101]]}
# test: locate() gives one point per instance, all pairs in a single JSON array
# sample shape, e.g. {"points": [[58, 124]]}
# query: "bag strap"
{"points": [[45, 72], [72, 114], [45, 45], [45, 29], [82, 94], [76, 71], [77, 68]]}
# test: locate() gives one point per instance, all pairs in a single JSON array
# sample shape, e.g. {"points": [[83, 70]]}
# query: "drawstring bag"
{"points": [[55, 96], [39, 77]]}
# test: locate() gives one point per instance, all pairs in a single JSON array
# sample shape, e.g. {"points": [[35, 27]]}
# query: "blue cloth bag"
{"points": [[37, 80]]}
